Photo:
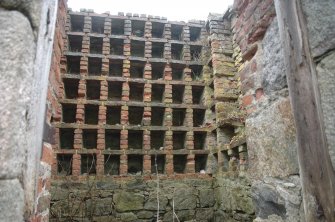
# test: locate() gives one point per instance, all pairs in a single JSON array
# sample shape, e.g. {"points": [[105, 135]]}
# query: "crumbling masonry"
{"points": [[139, 96], [151, 119]]}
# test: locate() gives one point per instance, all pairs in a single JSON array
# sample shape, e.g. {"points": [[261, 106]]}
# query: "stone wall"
{"points": [[135, 199], [321, 36], [26, 36], [270, 132]]}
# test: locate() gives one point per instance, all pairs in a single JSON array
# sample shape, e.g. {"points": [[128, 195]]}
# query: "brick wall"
{"points": [[133, 88], [232, 153]]}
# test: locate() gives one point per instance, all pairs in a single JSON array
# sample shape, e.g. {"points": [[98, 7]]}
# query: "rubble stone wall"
{"points": [[269, 127]]}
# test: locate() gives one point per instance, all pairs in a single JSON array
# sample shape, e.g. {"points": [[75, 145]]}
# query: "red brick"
{"points": [[247, 100]]}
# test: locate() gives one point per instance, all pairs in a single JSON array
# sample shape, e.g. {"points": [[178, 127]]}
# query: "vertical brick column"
{"points": [[102, 115], [167, 32], [78, 139], [76, 161], [124, 115], [126, 47], [147, 49], [106, 46], [125, 92], [82, 89], [186, 53], [147, 92], [80, 117], [190, 142], [186, 33], [188, 75], [85, 44], [168, 94], [189, 123], [147, 71], [168, 147], [126, 68], [87, 24], [168, 117], [105, 66], [146, 148], [123, 157], [147, 116], [168, 122], [167, 50], [189, 117], [203, 35], [168, 72], [104, 90], [83, 66], [188, 95], [147, 29], [190, 164], [100, 168], [108, 26], [67, 27], [127, 27], [101, 139]]}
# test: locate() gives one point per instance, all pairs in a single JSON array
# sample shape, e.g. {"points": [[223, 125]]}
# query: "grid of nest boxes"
{"points": [[134, 98]]}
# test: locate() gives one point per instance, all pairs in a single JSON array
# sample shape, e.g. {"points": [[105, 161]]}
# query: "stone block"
{"points": [[204, 214], [273, 69], [17, 47], [278, 198], [11, 200], [126, 201], [320, 25], [271, 140], [206, 197], [326, 78], [185, 199]]}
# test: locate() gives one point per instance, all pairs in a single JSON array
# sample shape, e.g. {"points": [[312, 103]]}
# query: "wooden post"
{"points": [[316, 170]]}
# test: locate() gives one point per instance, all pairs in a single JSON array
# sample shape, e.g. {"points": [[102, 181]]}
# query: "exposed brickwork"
{"points": [[229, 117], [133, 87], [140, 90], [249, 24], [253, 18]]}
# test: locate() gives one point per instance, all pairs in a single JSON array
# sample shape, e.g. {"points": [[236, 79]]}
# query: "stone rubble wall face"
{"points": [[321, 36], [269, 125], [26, 36]]}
